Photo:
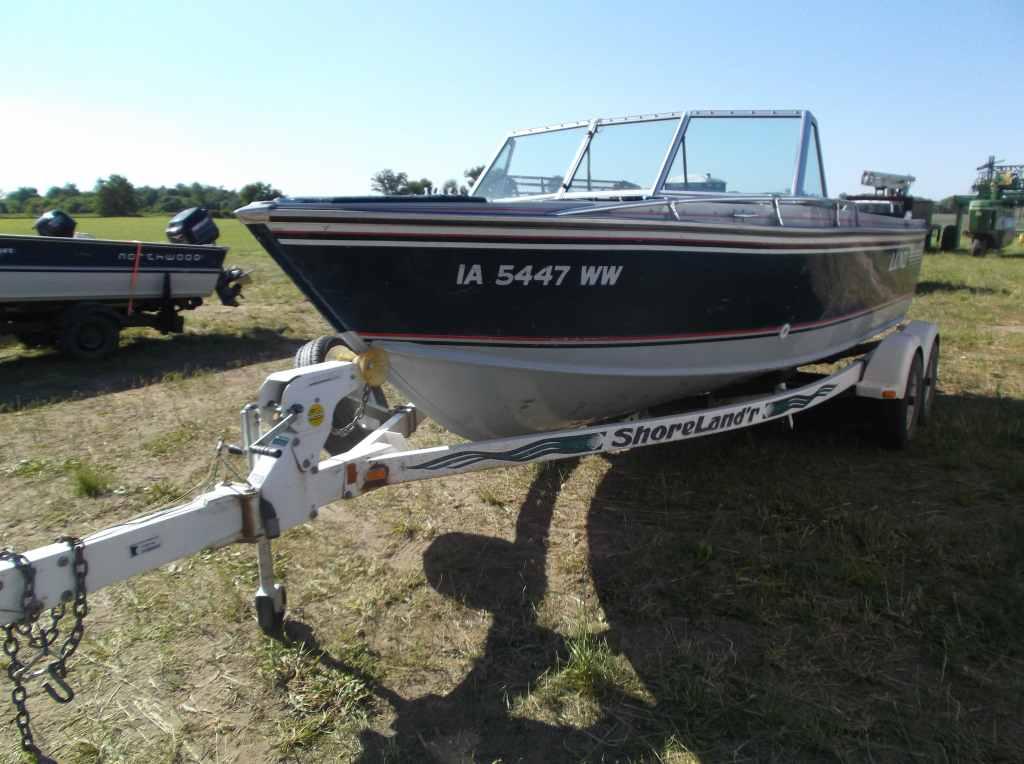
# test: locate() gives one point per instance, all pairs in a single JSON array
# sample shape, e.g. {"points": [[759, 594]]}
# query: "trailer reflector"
{"points": [[376, 476]]}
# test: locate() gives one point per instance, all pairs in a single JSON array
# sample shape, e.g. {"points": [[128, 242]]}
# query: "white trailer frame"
{"points": [[288, 481]]}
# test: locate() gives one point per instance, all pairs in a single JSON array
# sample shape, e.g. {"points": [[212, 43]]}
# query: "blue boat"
{"points": [[601, 267]]}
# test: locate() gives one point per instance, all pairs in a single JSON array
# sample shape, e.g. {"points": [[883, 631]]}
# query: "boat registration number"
{"points": [[543, 275]]}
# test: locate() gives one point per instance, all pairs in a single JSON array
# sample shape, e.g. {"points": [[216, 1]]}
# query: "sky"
{"points": [[315, 97]]}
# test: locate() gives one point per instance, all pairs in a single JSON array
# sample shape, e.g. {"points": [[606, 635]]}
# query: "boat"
{"points": [[54, 284], [602, 267]]}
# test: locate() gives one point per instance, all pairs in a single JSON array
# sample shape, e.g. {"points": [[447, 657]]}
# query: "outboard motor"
{"points": [[55, 223], [192, 226]]}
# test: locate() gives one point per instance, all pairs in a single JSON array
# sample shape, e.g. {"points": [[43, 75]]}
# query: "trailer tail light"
{"points": [[888, 393]]}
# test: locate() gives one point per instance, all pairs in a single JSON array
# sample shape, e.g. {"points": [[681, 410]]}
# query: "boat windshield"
{"points": [[624, 156], [747, 155], [531, 164], [724, 152]]}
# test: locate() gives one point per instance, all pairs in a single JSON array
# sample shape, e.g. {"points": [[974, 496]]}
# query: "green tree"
{"points": [[16, 200], [35, 206], [115, 196], [389, 183], [257, 192], [473, 173], [418, 187]]}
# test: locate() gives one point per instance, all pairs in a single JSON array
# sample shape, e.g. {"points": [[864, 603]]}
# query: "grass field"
{"points": [[748, 597]]}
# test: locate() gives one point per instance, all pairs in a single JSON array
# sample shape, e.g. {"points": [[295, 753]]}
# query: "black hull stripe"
{"points": [[412, 238], [588, 224], [604, 342]]}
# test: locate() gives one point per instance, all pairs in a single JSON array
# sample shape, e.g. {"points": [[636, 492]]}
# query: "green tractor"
{"points": [[992, 214]]}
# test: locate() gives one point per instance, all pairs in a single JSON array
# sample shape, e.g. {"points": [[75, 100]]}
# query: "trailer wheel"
{"points": [[899, 417], [928, 384], [89, 334], [327, 348]]}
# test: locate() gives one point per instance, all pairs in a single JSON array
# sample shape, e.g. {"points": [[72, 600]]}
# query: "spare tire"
{"points": [[319, 350]]}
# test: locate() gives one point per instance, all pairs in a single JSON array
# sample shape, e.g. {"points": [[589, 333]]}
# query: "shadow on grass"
{"points": [[804, 597], [27, 380], [932, 287], [781, 596], [473, 722]]}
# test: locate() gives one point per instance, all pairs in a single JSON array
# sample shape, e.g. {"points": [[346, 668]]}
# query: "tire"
{"points": [[978, 247], [934, 239], [318, 351], [948, 242], [928, 384], [899, 418], [89, 334]]}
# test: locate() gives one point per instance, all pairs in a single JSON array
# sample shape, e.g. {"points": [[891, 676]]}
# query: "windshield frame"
{"points": [[808, 128]]}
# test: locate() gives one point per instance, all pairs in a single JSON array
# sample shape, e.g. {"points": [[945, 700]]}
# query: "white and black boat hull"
{"points": [[488, 392], [45, 269], [500, 321]]}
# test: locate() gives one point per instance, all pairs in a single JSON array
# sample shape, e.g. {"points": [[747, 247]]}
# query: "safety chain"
{"points": [[42, 638], [341, 432], [15, 668]]}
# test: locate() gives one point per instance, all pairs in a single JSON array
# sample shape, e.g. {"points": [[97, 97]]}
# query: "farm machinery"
{"points": [[992, 212]]}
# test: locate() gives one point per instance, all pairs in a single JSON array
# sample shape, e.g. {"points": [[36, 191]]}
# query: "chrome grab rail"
{"points": [[835, 205]]}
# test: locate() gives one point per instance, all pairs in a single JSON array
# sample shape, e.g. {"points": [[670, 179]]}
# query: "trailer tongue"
{"points": [[283, 436]]}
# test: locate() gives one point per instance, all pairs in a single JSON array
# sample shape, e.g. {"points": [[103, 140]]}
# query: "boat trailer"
{"points": [[283, 434]]}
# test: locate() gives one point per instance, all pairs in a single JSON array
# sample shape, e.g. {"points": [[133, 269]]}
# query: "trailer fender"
{"points": [[889, 365]]}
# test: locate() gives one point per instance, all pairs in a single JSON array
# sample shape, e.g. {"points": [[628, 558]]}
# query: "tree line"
{"points": [[116, 196], [391, 183]]}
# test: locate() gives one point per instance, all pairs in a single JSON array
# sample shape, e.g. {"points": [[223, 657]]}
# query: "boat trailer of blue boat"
{"points": [[284, 434], [602, 267]]}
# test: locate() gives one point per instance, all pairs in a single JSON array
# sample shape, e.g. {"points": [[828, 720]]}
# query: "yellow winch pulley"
{"points": [[373, 366]]}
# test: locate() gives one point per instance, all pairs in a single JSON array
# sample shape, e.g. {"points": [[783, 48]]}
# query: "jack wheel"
{"points": [[270, 620], [899, 418]]}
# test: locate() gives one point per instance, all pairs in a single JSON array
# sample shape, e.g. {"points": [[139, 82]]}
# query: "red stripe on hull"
{"points": [[765, 331]]}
